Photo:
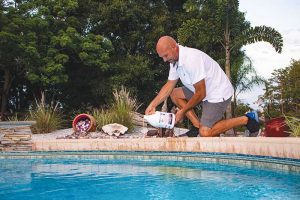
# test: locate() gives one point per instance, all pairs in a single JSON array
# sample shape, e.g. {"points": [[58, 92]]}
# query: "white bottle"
{"points": [[161, 119]]}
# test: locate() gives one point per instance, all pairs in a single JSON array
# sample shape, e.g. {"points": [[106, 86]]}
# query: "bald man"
{"points": [[203, 82]]}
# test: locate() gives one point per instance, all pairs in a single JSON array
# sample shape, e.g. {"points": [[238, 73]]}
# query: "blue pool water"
{"points": [[121, 179]]}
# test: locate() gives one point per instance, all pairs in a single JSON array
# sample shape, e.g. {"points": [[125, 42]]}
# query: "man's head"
{"points": [[167, 49]]}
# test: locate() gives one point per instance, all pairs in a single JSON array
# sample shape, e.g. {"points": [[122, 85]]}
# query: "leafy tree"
{"points": [[45, 39], [134, 28], [293, 89], [79, 51], [281, 95], [11, 49], [240, 109], [58, 30]]}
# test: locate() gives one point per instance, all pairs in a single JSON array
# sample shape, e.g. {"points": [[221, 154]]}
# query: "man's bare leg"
{"points": [[179, 99], [222, 126]]}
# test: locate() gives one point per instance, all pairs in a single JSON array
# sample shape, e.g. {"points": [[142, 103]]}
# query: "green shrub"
{"points": [[294, 125], [47, 117], [120, 111], [102, 117], [17, 117]]}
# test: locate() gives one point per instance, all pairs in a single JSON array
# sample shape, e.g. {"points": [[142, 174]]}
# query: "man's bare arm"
{"points": [[164, 92], [200, 93]]}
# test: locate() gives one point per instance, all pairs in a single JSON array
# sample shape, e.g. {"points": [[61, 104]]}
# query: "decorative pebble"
{"points": [[83, 125]]}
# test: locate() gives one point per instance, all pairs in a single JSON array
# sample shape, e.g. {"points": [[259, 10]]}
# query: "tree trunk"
{"points": [[227, 70], [234, 104], [281, 99], [6, 88]]}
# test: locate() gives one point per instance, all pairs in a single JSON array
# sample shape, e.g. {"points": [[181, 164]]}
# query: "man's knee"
{"points": [[175, 94], [205, 132]]}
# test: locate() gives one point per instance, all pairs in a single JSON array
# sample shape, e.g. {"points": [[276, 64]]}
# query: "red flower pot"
{"points": [[276, 127], [80, 117]]}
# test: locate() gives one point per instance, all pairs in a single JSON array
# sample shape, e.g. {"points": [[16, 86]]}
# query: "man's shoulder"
{"points": [[189, 49]]}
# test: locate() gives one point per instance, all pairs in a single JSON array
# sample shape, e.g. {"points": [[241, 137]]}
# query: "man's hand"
{"points": [[150, 110], [179, 116], [164, 92]]}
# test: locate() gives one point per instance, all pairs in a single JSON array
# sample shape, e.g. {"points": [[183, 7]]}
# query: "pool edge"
{"points": [[274, 147]]}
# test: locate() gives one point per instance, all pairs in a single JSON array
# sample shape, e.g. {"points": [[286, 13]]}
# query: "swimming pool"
{"points": [[124, 175]]}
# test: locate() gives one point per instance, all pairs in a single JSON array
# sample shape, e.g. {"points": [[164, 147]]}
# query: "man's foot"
{"points": [[193, 132], [253, 122], [253, 115]]}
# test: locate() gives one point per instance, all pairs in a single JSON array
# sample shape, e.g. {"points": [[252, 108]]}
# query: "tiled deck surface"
{"points": [[288, 147]]}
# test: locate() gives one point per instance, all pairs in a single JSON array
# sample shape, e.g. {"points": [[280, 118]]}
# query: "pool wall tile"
{"points": [[275, 147]]}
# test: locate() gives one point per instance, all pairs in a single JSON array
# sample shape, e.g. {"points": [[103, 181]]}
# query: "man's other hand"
{"points": [[150, 110], [179, 116]]}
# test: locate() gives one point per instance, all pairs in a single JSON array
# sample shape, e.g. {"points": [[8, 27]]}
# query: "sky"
{"points": [[282, 15]]}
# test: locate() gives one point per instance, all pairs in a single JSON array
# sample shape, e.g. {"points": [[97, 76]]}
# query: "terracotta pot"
{"points": [[276, 127], [92, 126]]}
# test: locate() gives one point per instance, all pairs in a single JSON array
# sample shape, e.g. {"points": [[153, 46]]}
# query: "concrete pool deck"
{"points": [[287, 147], [281, 147]]}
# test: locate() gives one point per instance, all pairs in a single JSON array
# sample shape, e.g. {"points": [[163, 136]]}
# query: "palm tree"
{"points": [[248, 36], [243, 78]]}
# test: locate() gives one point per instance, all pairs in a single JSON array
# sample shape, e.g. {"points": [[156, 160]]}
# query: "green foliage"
{"points": [[294, 125], [228, 25], [16, 117], [243, 75], [282, 93], [243, 78], [40, 41], [134, 27], [134, 72], [79, 51], [47, 117], [263, 33], [120, 112], [239, 110], [207, 17], [102, 117], [64, 44], [123, 100], [123, 107]]}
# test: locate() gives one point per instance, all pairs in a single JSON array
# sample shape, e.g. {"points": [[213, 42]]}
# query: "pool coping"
{"points": [[287, 147]]}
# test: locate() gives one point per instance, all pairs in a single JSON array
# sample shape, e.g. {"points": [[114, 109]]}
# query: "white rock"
{"points": [[114, 129]]}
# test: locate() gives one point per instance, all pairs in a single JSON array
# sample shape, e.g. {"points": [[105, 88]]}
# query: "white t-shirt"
{"points": [[194, 65]]}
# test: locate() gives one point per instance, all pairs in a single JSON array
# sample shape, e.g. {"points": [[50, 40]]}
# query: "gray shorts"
{"points": [[211, 112]]}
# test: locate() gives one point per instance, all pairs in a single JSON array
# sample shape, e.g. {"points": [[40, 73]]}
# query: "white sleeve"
{"points": [[173, 73], [196, 70]]}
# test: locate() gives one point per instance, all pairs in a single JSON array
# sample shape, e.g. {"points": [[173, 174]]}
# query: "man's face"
{"points": [[168, 54]]}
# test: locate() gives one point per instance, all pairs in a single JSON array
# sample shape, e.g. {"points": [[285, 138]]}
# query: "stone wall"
{"points": [[17, 138]]}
